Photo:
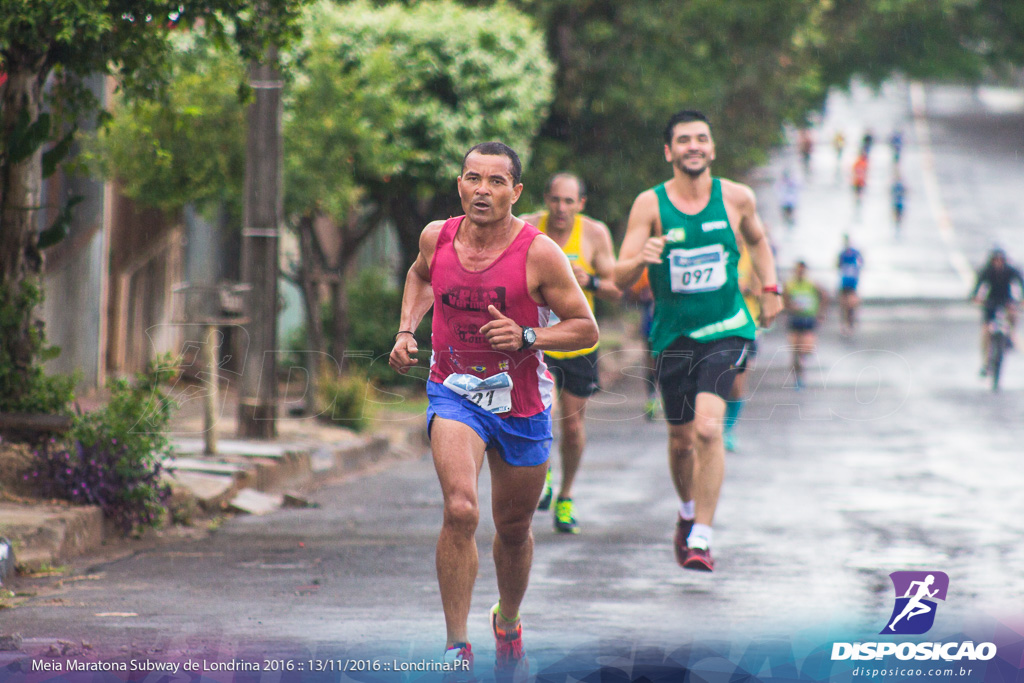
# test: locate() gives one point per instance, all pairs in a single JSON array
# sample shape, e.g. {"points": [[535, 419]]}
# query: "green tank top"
{"points": [[696, 286], [804, 296]]}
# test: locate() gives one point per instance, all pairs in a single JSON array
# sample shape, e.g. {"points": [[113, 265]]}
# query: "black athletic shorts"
{"points": [[689, 367], [802, 324], [747, 359], [577, 375]]}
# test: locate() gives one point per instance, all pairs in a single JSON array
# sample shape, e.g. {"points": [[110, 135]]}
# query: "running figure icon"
{"points": [[915, 606]]}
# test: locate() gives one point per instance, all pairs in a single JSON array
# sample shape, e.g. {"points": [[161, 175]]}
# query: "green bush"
{"points": [[342, 398], [113, 456]]}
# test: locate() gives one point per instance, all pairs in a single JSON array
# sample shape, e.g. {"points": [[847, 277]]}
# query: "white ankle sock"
{"points": [[700, 537], [687, 510]]}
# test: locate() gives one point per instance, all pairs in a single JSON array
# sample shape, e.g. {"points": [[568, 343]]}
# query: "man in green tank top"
{"points": [[686, 233]]}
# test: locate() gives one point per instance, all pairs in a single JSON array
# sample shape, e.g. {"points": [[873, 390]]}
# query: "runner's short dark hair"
{"points": [[684, 116], [498, 149], [566, 174]]}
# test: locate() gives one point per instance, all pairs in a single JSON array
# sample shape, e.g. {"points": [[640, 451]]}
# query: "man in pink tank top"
{"points": [[493, 281]]}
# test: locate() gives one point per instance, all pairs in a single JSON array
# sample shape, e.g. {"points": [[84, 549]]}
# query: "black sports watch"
{"points": [[529, 337]]}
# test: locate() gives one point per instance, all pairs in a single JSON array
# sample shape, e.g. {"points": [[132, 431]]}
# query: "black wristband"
{"points": [[405, 332], [593, 283]]}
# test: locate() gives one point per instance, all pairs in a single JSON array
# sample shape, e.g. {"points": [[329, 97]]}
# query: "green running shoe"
{"points": [[545, 498], [565, 519], [651, 409]]}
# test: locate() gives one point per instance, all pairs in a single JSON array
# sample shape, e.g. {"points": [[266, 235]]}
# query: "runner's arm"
{"points": [[638, 246], [551, 283], [603, 261], [981, 279], [417, 299], [761, 257], [558, 288]]}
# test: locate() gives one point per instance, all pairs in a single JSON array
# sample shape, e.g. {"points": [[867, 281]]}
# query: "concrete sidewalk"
{"points": [[244, 477]]}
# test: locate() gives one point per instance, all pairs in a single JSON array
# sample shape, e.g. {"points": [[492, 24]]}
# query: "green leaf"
{"points": [[56, 154], [27, 137], [59, 230]]}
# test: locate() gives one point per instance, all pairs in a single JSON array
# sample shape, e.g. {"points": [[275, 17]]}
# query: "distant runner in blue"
{"points": [[896, 142], [850, 263], [899, 195]]}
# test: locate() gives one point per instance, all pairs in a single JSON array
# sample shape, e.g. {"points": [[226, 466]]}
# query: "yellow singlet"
{"points": [[745, 269], [573, 249]]}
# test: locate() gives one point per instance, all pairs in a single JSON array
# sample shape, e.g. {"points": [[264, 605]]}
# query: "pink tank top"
{"points": [[461, 298]]}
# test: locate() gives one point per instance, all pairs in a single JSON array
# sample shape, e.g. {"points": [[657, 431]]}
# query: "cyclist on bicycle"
{"points": [[999, 285]]}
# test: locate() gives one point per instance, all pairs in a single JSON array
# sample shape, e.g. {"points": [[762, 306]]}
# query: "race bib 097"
{"points": [[697, 270]]}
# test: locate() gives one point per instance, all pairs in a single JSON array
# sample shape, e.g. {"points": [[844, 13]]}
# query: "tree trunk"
{"points": [[339, 323], [309, 275], [262, 218], [20, 183]]}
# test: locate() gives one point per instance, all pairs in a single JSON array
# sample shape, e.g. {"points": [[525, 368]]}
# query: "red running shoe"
{"points": [[508, 645], [683, 527], [699, 559], [458, 660]]}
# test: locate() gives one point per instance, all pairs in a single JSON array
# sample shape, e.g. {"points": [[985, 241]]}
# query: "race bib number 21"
{"points": [[493, 394], [697, 270]]}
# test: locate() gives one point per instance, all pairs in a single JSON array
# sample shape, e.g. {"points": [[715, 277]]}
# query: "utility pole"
{"points": [[262, 218]]}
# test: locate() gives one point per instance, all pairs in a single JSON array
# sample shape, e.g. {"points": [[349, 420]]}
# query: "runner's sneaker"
{"points": [[508, 645], [565, 520], [683, 527], [699, 559], [545, 498], [651, 409], [458, 660]]}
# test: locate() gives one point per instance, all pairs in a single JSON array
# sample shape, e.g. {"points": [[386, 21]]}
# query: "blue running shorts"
{"points": [[521, 441]]}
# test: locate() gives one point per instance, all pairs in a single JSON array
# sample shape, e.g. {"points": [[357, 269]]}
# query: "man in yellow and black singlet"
{"points": [[588, 244]]}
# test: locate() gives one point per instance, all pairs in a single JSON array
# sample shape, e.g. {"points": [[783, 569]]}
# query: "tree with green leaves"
{"points": [[751, 65], [467, 75], [625, 68], [381, 104], [46, 48], [384, 104]]}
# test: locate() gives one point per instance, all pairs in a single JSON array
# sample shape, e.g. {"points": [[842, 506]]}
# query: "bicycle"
{"points": [[998, 344]]}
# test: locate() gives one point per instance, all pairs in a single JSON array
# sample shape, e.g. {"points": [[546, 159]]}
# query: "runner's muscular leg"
{"points": [[573, 438], [709, 451], [681, 458], [458, 456], [514, 494]]}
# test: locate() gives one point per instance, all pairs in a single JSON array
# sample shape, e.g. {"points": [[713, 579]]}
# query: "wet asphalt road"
{"points": [[895, 456]]}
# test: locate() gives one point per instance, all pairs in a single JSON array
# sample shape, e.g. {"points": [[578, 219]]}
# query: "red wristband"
{"points": [[774, 289]]}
